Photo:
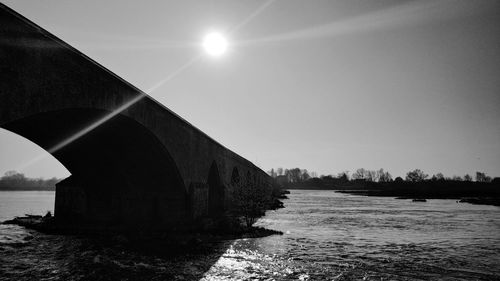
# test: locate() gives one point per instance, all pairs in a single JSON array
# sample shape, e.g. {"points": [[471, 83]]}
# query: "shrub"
{"points": [[250, 201]]}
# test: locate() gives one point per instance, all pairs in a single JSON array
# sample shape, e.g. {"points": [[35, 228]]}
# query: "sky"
{"points": [[328, 86]]}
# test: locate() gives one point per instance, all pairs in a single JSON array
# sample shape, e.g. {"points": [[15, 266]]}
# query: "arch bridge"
{"points": [[131, 159]]}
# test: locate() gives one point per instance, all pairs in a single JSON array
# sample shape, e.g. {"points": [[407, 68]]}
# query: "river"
{"points": [[327, 236]]}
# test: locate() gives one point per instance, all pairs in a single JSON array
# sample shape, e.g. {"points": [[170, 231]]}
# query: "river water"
{"points": [[327, 236]]}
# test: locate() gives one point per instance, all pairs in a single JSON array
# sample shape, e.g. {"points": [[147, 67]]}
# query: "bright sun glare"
{"points": [[215, 44]]}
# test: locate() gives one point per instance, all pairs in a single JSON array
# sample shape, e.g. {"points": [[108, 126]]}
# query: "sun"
{"points": [[215, 44]]}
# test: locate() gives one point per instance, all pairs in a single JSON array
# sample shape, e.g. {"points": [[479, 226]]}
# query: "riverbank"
{"points": [[464, 192], [153, 242], [492, 201], [229, 226]]}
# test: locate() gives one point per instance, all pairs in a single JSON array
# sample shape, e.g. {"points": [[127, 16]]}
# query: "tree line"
{"points": [[297, 175], [13, 180]]}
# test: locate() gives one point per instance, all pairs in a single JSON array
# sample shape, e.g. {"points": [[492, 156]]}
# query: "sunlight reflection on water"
{"points": [[330, 236]]}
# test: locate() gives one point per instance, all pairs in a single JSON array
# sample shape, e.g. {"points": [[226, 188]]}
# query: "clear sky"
{"points": [[325, 85]]}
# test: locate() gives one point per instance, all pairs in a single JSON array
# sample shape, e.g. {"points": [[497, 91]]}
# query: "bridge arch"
{"points": [[119, 164], [235, 177], [215, 192]]}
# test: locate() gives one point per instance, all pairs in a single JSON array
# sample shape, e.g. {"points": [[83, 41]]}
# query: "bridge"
{"points": [[132, 160]]}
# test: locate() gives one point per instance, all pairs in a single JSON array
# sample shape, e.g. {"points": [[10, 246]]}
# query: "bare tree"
{"points": [[438, 177], [344, 175], [359, 174], [482, 177], [250, 201], [467, 177], [272, 173], [416, 176], [295, 174], [288, 175], [365, 174], [383, 176], [279, 171], [371, 175], [304, 175]]}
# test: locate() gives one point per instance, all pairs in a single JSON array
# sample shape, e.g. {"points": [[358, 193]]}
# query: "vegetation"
{"points": [[250, 201], [416, 184], [297, 177], [13, 180], [416, 176]]}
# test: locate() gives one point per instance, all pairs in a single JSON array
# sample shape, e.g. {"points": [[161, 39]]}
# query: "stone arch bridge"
{"points": [[143, 164]]}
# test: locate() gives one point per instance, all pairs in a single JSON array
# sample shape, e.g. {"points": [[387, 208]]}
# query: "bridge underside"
{"points": [[120, 172]]}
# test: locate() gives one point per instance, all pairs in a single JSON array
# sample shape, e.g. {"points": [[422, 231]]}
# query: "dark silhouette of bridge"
{"points": [[132, 160]]}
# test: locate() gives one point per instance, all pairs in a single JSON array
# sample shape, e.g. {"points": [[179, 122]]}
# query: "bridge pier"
{"points": [[114, 206], [71, 200], [198, 200]]}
